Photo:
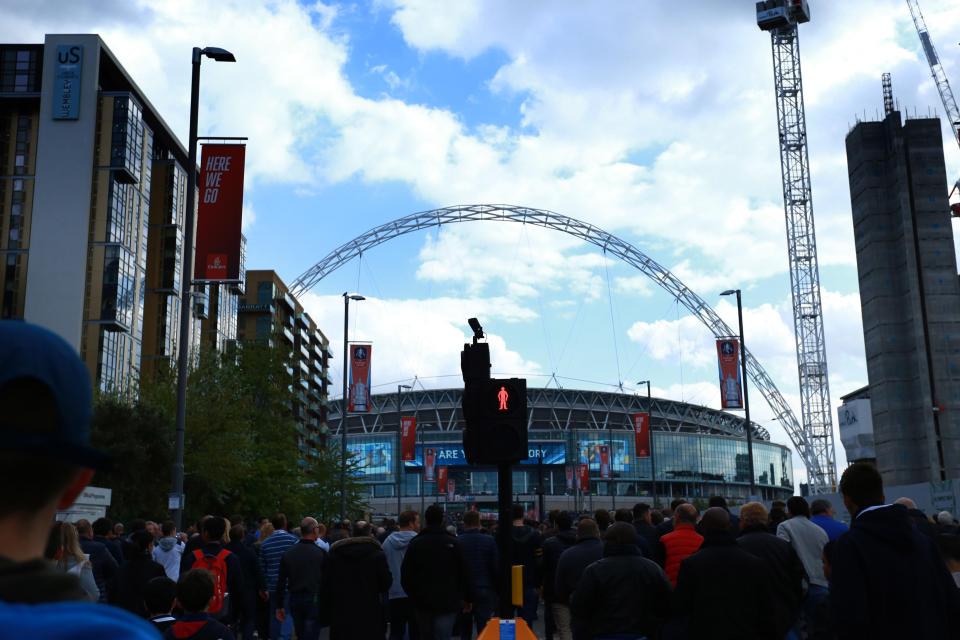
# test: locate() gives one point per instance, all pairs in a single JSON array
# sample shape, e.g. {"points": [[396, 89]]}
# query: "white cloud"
{"points": [[419, 338]]}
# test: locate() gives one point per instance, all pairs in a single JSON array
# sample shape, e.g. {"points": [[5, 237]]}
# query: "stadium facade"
{"points": [[698, 452]]}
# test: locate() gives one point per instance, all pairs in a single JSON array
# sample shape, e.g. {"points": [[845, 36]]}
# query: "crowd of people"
{"points": [[792, 571]]}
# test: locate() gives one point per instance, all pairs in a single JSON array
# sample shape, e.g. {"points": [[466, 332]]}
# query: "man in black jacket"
{"points": [[573, 562], [104, 564], [887, 578], [723, 582], [301, 569], [527, 551], [126, 591], [436, 578], [645, 529], [355, 582], [781, 560], [254, 584], [480, 550], [623, 594], [213, 529], [553, 547]]}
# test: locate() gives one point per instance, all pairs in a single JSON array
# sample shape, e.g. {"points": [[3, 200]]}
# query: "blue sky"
{"points": [[652, 120]]}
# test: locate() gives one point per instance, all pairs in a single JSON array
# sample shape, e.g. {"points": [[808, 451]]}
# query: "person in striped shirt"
{"points": [[271, 551]]}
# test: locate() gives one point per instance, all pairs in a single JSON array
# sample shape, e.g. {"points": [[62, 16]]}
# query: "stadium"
{"points": [[697, 452]]}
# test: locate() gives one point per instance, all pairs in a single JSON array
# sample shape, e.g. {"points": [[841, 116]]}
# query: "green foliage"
{"points": [[322, 491], [240, 443]]}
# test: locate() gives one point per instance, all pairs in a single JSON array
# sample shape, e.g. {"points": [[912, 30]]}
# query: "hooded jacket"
{"points": [[434, 572], [722, 582], [168, 553], [395, 548], [356, 578], [197, 626], [553, 548], [888, 581], [528, 550], [624, 593]]}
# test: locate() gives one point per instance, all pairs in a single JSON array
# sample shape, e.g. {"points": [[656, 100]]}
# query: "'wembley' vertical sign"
{"points": [[220, 213]]}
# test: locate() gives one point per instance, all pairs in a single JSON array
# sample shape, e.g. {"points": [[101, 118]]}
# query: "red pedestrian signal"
{"points": [[503, 397]]}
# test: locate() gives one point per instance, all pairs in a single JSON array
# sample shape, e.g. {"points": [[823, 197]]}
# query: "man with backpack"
{"points": [[223, 565]]}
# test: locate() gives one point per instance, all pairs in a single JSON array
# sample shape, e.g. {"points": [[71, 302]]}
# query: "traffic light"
{"points": [[496, 421]]}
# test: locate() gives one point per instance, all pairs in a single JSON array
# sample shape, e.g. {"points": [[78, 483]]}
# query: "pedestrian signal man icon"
{"points": [[503, 396]]}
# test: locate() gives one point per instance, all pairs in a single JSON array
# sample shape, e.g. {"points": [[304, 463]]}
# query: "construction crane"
{"points": [[780, 18], [939, 78]]}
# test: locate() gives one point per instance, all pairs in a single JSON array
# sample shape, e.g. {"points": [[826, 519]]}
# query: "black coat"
{"points": [[787, 573], [127, 588], [623, 593], [724, 592], [113, 546], [253, 579], [922, 523], [571, 566], [553, 548], [651, 536], [104, 565], [434, 573], [888, 581], [356, 579], [482, 555]]}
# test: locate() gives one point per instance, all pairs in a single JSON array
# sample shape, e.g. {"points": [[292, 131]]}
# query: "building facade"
{"points": [[909, 296], [697, 453], [92, 206], [269, 313]]}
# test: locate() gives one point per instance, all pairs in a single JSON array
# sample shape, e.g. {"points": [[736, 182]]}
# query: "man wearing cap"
{"points": [[45, 462]]}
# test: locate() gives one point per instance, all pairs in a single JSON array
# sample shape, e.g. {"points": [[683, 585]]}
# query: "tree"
{"points": [[139, 439], [241, 452], [322, 496]]}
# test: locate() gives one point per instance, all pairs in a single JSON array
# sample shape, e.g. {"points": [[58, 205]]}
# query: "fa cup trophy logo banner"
{"points": [[359, 387], [731, 386]]}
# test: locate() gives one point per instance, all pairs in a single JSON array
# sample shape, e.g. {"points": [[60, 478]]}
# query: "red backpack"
{"points": [[217, 566]]}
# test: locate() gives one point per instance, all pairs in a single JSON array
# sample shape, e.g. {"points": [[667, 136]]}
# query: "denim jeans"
{"points": [[306, 615], [561, 618], [402, 619], [278, 631], [435, 626]]}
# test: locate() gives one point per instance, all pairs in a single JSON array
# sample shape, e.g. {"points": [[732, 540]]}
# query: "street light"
{"points": [[400, 388], [653, 464], [746, 398], [344, 402], [186, 303]]}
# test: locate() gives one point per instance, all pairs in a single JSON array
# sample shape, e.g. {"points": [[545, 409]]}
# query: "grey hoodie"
{"points": [[168, 552], [395, 547]]}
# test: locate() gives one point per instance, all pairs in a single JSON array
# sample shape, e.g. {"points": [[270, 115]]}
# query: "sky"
{"points": [[653, 120]]}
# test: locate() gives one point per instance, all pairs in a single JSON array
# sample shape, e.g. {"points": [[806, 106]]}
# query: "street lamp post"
{"points": [[400, 388], [653, 460], [345, 403], [220, 55], [746, 397]]}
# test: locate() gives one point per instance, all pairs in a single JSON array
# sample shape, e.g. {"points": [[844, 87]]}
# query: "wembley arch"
{"points": [[818, 460]]}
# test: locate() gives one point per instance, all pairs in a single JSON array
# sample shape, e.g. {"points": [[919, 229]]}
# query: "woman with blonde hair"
{"points": [[71, 559]]}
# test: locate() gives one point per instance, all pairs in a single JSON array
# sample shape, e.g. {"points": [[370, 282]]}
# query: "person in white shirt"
{"points": [[808, 540]]}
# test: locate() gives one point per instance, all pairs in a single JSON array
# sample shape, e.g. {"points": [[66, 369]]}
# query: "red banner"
{"points": [[441, 480], [359, 389], [220, 212], [584, 478], [451, 490], [641, 434], [604, 461], [429, 459], [728, 360], [570, 483], [408, 439]]}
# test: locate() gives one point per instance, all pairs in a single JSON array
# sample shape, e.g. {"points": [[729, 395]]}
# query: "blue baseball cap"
{"points": [[32, 353]]}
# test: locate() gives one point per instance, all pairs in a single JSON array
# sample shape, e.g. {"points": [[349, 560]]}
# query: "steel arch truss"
{"points": [[549, 409], [815, 466]]}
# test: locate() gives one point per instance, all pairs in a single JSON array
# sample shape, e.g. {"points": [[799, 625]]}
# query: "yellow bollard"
{"points": [[516, 585]]}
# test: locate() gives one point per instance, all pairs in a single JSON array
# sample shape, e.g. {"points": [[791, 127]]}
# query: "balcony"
{"points": [[287, 335], [288, 301]]}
